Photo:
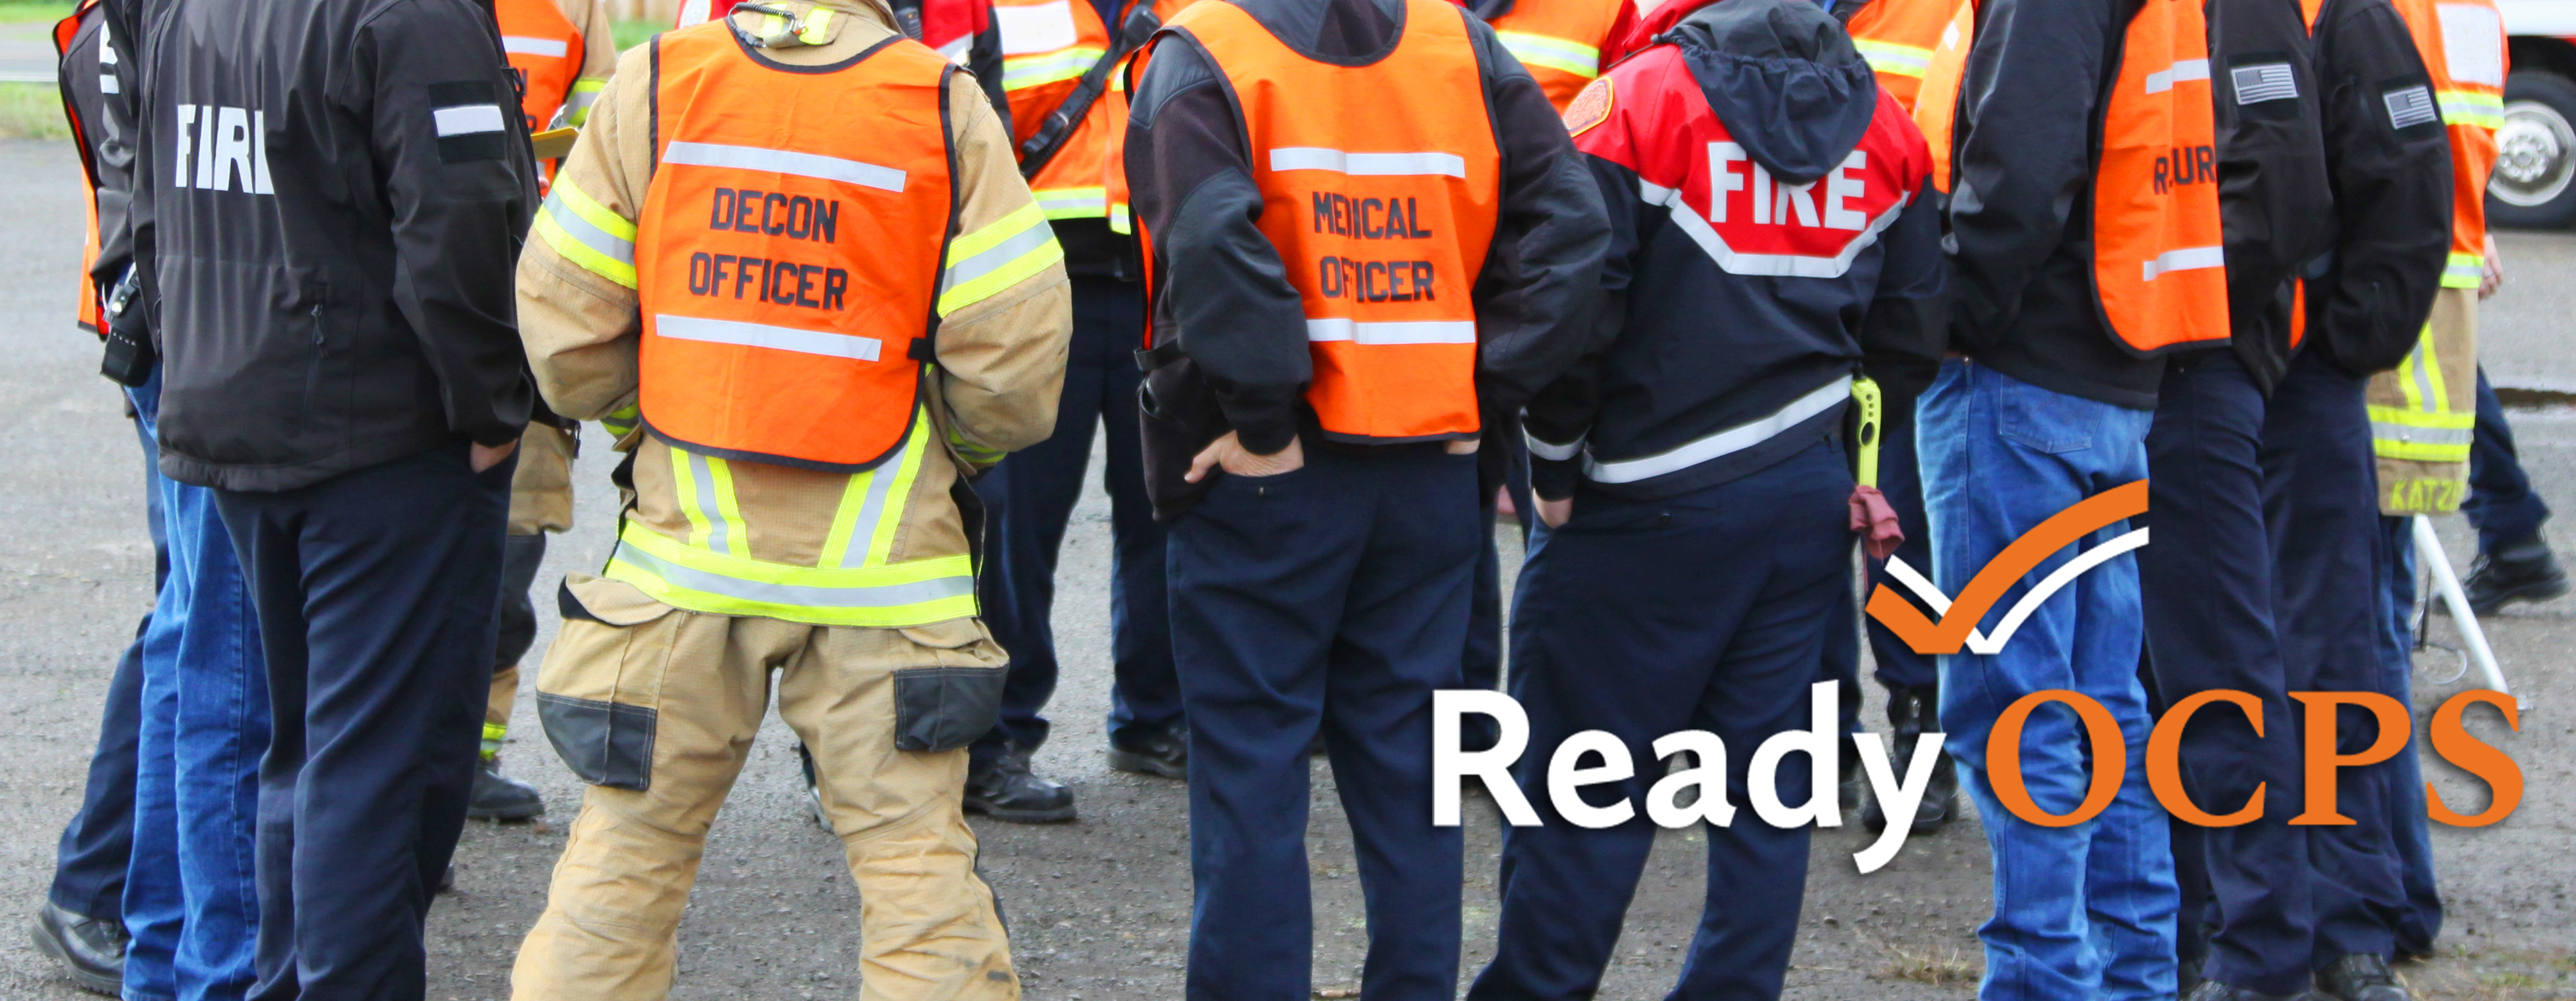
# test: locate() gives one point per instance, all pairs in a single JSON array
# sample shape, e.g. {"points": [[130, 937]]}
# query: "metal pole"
{"points": [[2428, 549]]}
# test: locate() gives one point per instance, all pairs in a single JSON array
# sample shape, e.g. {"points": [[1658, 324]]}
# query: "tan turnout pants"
{"points": [[928, 925]]}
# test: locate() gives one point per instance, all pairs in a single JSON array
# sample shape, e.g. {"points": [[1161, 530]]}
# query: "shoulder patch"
{"points": [[467, 116], [1589, 108]]}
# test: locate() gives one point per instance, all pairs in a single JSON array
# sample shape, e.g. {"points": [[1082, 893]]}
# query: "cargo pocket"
{"points": [[604, 743], [601, 681], [945, 708]]}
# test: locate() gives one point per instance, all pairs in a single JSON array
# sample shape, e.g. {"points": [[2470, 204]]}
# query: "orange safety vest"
{"points": [[1113, 162], [546, 49], [1047, 45], [1559, 42], [93, 307], [1382, 219], [787, 269], [2159, 259], [2463, 44], [1936, 101], [1898, 38]]}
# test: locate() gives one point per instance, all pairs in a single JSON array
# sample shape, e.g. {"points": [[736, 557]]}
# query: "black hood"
{"points": [[1785, 79]]}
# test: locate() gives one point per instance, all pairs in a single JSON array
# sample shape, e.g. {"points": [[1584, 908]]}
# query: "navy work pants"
{"points": [[1030, 499], [2321, 506], [2208, 593], [1484, 663], [2501, 503], [1329, 599], [90, 859], [1641, 618], [372, 586], [2419, 921]]}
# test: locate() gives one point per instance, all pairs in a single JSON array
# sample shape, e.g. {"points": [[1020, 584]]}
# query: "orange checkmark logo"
{"points": [[1959, 617]]}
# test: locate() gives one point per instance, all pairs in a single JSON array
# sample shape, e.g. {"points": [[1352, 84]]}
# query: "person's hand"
{"points": [[2492, 276], [1228, 453], [1554, 513], [484, 457]]}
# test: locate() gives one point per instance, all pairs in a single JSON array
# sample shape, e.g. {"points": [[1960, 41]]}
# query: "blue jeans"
{"points": [[2087, 910], [191, 900]]}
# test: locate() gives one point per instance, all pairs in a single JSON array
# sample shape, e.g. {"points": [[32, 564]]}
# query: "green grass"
{"points": [[33, 10], [32, 111], [631, 33]]}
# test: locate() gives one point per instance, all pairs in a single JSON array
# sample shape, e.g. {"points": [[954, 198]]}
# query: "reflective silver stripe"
{"points": [[575, 225], [2182, 70], [1729, 441], [2422, 436], [2423, 374], [863, 530], [779, 161], [107, 84], [1552, 452], [530, 46], [1694, 224], [797, 595], [702, 483], [467, 119], [990, 259], [1368, 164], [1416, 332], [2185, 259], [762, 335]]}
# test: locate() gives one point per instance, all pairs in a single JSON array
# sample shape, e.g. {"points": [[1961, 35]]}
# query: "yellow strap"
{"points": [[1872, 404]]}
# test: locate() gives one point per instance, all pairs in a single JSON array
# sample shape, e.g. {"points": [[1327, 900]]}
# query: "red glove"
{"points": [[1876, 522]]}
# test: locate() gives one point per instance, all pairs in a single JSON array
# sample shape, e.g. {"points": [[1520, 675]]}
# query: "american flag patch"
{"points": [[2411, 106], [2264, 82]]}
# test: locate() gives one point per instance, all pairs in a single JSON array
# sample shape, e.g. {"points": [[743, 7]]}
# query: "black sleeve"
{"points": [[2390, 160], [2024, 148], [98, 82], [1907, 328], [2274, 204], [984, 59], [1541, 283], [1561, 415], [1223, 296], [459, 201]]}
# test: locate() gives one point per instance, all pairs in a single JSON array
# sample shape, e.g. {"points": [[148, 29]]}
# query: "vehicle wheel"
{"points": [[2535, 154]]}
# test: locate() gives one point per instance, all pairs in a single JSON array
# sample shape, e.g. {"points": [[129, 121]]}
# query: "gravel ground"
{"points": [[1100, 907]]}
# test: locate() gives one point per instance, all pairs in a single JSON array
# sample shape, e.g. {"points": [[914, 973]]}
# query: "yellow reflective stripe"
{"points": [[816, 22], [1889, 57], [1119, 222], [576, 109], [997, 257], [973, 452], [2437, 397], [494, 733], [2465, 271], [1555, 53], [2469, 107], [684, 485], [1021, 72], [1073, 203], [621, 421], [586, 233], [882, 597], [705, 487], [2399, 433], [737, 532], [872, 504]]}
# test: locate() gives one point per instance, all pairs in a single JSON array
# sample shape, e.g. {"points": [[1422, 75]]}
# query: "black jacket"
{"points": [[2391, 171], [1222, 300], [1699, 350], [2273, 198], [98, 81], [2021, 207], [333, 195]]}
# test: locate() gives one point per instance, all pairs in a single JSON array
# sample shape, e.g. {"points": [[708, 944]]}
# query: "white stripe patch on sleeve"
{"points": [[2264, 82], [107, 84], [467, 119], [531, 46], [2411, 107]]}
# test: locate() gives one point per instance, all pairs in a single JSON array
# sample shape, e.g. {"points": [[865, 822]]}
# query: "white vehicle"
{"points": [[2536, 147]]}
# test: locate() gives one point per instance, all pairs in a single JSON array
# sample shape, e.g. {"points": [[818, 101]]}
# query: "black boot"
{"points": [[1005, 790], [500, 797], [91, 950], [2211, 990], [2522, 570], [2359, 977], [1910, 715], [1163, 755]]}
